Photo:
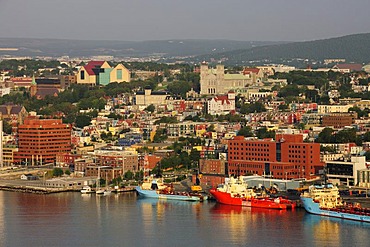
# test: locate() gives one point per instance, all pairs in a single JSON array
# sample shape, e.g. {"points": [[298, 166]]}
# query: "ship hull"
{"points": [[225, 198], [312, 207], [157, 195]]}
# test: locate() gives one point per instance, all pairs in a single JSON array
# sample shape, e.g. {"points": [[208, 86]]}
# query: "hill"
{"points": [[88, 48], [353, 48]]}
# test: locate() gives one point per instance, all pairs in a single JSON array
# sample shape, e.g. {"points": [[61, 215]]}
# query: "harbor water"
{"points": [[72, 219]]}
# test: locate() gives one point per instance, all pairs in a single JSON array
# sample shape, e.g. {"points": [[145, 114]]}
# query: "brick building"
{"points": [[339, 120], [40, 140], [212, 166], [105, 172], [286, 158]]}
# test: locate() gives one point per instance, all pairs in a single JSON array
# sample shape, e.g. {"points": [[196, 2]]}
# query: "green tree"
{"points": [[82, 121], [7, 128], [150, 108], [253, 107], [179, 88], [139, 175], [283, 107], [129, 175], [57, 172], [325, 136], [67, 172], [245, 131], [160, 135], [262, 133]]}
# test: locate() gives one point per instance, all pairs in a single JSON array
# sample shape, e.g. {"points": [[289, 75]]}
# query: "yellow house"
{"points": [[101, 73], [120, 74]]}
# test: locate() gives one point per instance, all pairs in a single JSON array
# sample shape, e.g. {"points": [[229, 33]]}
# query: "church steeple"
{"points": [[33, 88]]}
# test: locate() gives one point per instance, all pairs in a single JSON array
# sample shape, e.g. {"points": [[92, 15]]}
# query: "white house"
{"points": [[221, 105]]}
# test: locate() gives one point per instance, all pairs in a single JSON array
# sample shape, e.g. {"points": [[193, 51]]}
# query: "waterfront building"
{"points": [[67, 159], [346, 172], [286, 158], [364, 177], [148, 161], [212, 166], [105, 172], [40, 140], [8, 154]]}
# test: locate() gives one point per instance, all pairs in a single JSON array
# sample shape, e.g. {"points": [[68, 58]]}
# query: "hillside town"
{"points": [[124, 121]]}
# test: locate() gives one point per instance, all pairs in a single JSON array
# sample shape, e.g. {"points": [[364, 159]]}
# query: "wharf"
{"points": [[125, 189], [35, 189]]}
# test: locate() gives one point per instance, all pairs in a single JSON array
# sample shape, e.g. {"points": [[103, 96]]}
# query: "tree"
{"points": [[7, 127], [253, 107], [325, 136], [366, 137], [245, 131], [129, 175], [67, 172], [179, 88], [139, 175], [262, 133], [283, 107], [160, 135], [82, 121], [57, 172], [150, 108], [211, 128]]}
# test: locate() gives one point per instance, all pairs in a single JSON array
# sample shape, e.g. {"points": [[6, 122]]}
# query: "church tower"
{"points": [[33, 88]]}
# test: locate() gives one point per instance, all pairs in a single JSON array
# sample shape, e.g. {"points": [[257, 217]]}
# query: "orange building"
{"points": [[40, 140], [286, 158]]}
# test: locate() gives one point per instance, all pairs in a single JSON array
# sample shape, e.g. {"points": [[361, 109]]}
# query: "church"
{"points": [[214, 81]]}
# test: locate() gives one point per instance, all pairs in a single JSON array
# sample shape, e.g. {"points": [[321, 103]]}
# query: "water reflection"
{"points": [[244, 225], [70, 219], [332, 231]]}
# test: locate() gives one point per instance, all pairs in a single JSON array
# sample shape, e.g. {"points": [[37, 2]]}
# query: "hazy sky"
{"points": [[257, 20]]}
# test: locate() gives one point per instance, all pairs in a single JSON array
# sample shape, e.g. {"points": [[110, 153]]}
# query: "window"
{"points": [[119, 74], [82, 76]]}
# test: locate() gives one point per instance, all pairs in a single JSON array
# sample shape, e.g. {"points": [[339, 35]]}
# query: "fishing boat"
{"points": [[161, 194], [236, 192], [160, 191], [325, 200]]}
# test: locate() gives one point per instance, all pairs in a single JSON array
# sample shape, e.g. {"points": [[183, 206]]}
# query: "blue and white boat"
{"points": [[325, 200], [167, 195], [155, 188]]}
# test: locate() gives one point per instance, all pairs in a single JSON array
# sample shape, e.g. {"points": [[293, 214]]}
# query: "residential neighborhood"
{"points": [[214, 120]]}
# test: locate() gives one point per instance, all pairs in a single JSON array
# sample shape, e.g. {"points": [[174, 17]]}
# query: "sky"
{"points": [[138, 20]]}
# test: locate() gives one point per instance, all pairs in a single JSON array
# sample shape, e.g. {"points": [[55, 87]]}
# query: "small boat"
{"points": [[86, 190], [100, 191], [107, 192], [236, 192], [325, 200]]}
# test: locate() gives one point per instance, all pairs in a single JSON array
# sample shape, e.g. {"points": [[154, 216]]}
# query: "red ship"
{"points": [[236, 192]]}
